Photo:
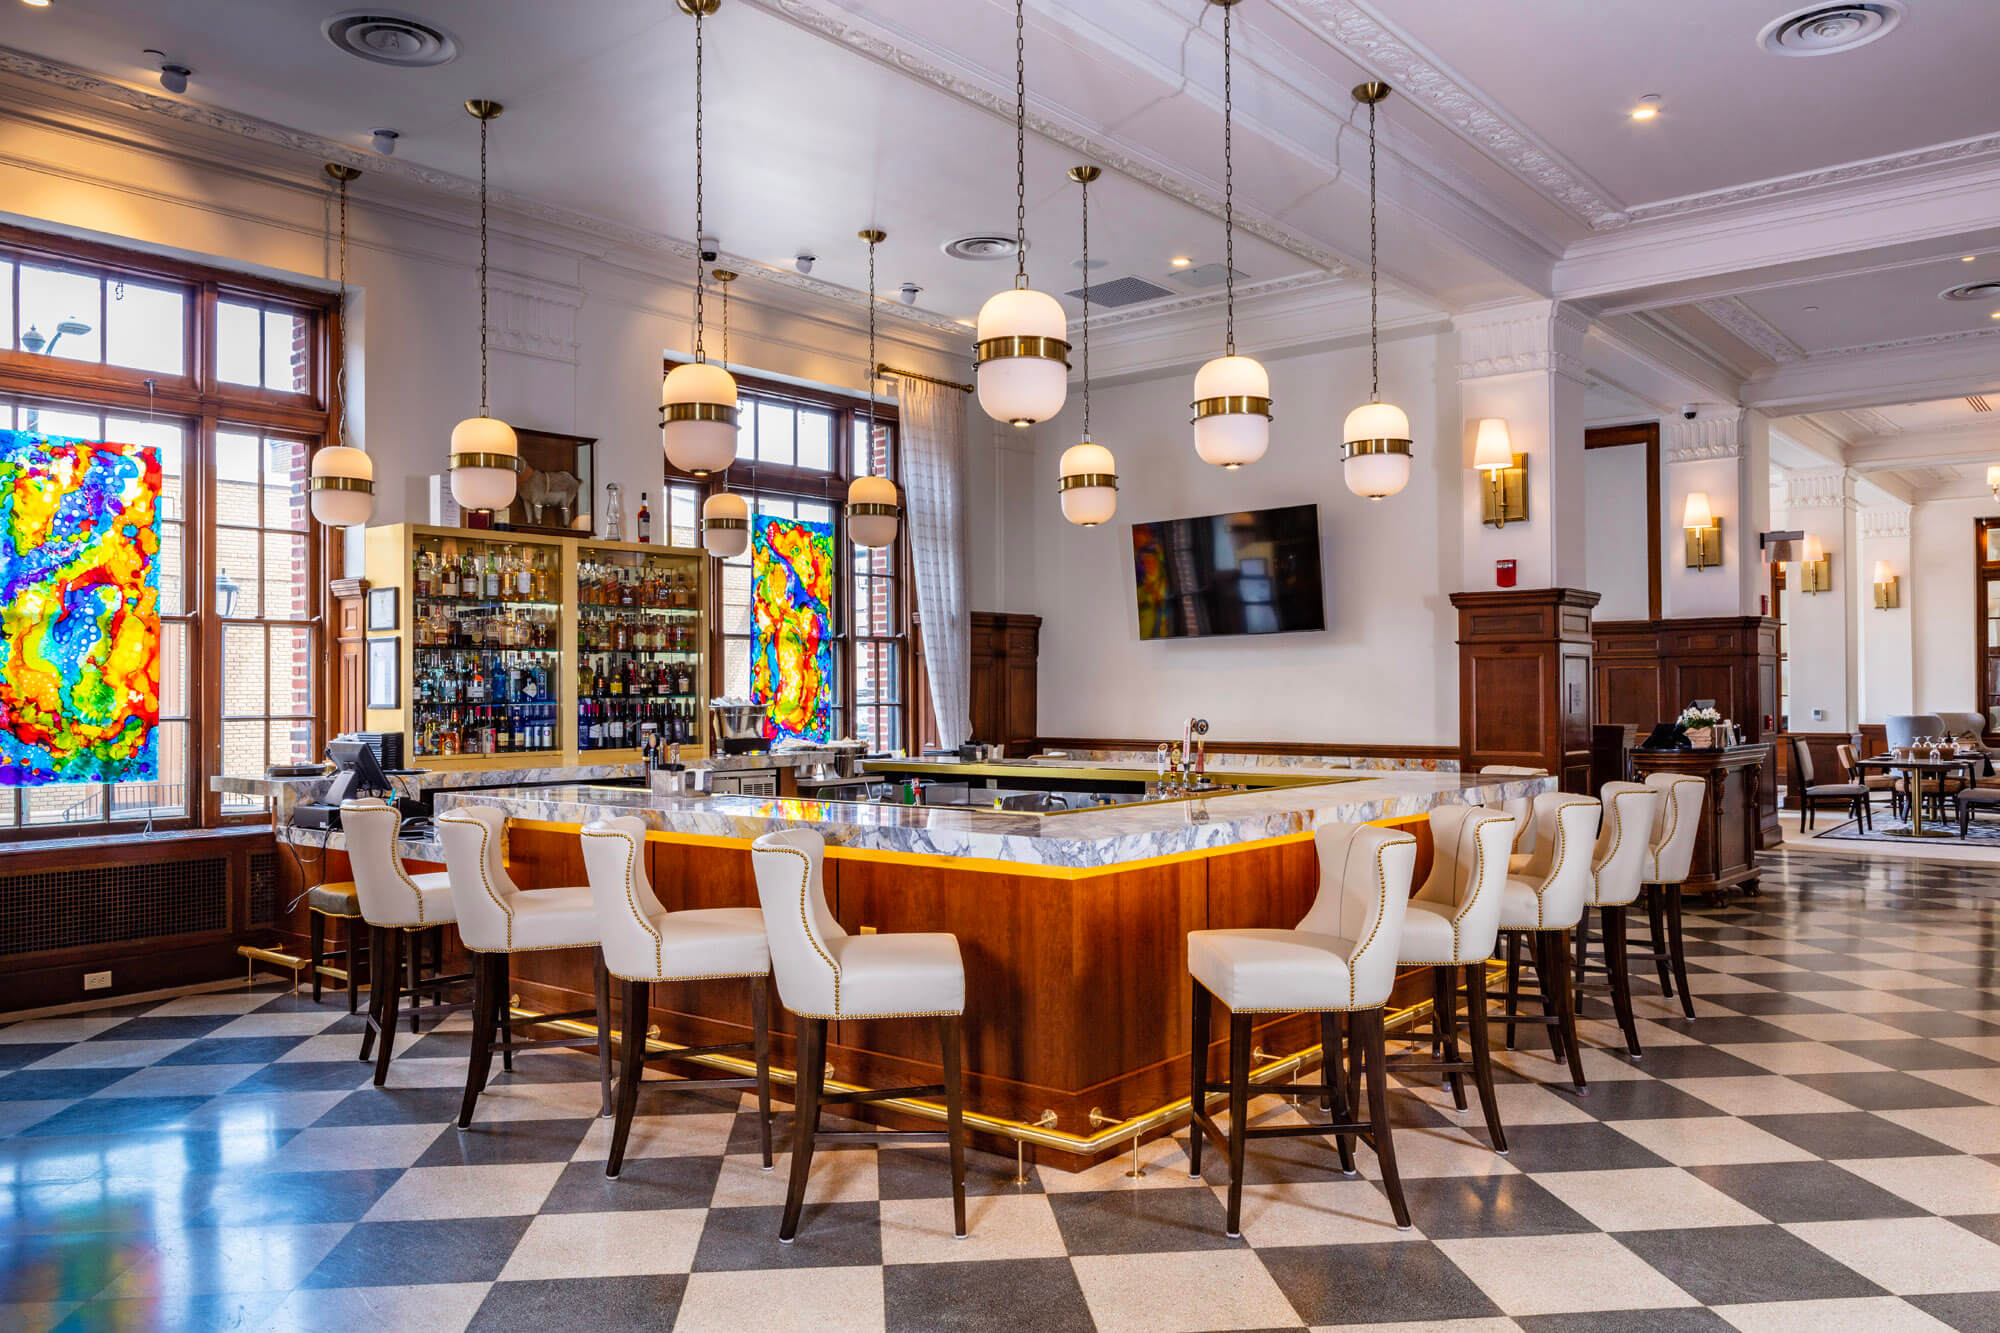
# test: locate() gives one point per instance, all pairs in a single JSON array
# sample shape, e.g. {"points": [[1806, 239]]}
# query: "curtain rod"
{"points": [[928, 379]]}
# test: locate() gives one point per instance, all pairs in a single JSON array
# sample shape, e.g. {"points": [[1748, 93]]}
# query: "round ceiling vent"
{"points": [[1973, 291], [1820, 30], [981, 247], [390, 39]]}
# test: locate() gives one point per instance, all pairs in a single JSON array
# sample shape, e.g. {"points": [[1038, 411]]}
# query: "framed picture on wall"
{"points": [[384, 675], [553, 492], [382, 610]]}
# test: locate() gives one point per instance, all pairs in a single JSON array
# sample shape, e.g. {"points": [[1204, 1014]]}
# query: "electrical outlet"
{"points": [[97, 981]]}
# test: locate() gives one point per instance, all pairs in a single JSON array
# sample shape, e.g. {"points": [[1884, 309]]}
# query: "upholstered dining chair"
{"points": [[1812, 794], [1541, 904]]}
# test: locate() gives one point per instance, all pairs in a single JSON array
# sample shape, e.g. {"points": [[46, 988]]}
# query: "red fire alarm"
{"points": [[1503, 573]]}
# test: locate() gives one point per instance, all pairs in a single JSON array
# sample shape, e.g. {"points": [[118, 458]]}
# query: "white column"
{"points": [[1823, 648], [1725, 453], [1888, 647], [1524, 363]]}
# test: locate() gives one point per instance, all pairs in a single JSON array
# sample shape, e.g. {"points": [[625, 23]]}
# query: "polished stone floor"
{"points": [[1820, 1150]]}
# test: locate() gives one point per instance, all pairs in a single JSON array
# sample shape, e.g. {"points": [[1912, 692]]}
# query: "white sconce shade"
{"points": [[1089, 484], [1993, 480], [698, 417], [1232, 407], [1376, 437], [1882, 571], [873, 511], [1697, 514], [1023, 356], [1493, 450], [484, 460], [725, 525], [342, 486], [1814, 551]]}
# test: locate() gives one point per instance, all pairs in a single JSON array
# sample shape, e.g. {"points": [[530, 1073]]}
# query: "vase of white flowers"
{"points": [[1698, 725]]}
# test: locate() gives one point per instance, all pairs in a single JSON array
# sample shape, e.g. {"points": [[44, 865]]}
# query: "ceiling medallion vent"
{"points": [[390, 39], [1820, 30], [981, 246], [1988, 290], [1117, 292]]}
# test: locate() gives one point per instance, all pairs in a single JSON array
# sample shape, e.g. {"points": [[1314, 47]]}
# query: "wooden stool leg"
{"points": [[1540, 944], [413, 953], [1239, 1114], [760, 1030], [1333, 1075], [357, 933], [1677, 947], [1203, 1011], [1616, 967], [1656, 923], [602, 980], [954, 1118], [485, 973], [503, 1007], [1482, 1056], [1513, 991], [1444, 1011], [805, 1118], [631, 1069], [1369, 1026], [392, 971], [316, 940], [1582, 953], [1558, 985], [375, 947]]}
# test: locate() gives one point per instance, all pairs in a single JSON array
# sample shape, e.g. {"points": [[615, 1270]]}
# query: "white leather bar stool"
{"points": [[1670, 861], [824, 974], [402, 911], [1452, 926], [1338, 962], [496, 919], [645, 945], [1544, 900], [1624, 843], [1521, 807]]}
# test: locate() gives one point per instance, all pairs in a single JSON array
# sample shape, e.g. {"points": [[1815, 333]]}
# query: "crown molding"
{"points": [[1905, 344], [1871, 422], [1952, 154], [1329, 285], [1751, 329], [1542, 336], [1820, 488], [1885, 521], [1707, 439]]}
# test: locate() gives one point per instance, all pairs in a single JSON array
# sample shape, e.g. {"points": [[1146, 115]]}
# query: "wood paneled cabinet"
{"points": [[1524, 680], [350, 655], [1725, 850], [1005, 677]]}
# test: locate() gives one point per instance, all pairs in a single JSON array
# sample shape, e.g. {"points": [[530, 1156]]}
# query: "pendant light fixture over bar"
{"points": [[1376, 437], [1089, 480], [725, 516], [873, 512], [1021, 353], [698, 400], [485, 457], [1232, 394], [342, 484]]}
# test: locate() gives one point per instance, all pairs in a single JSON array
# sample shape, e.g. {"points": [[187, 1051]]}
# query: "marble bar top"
{"points": [[1091, 839]]}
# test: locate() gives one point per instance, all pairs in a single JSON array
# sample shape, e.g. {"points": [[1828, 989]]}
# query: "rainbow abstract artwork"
{"points": [[79, 611], [791, 633]]}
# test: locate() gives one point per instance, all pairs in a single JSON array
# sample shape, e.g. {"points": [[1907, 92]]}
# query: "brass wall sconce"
{"points": [[1704, 533], [1815, 567], [1781, 548], [1887, 587], [1506, 498]]}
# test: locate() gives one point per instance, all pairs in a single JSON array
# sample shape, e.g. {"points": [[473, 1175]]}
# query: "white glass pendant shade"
{"points": [[1022, 382], [873, 511], [485, 480], [342, 486], [698, 417], [1377, 440], [1237, 428], [1493, 450], [725, 524], [1089, 484]]}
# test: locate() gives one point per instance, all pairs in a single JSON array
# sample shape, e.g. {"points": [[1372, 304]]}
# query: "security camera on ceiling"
{"points": [[384, 141], [173, 74], [804, 263]]}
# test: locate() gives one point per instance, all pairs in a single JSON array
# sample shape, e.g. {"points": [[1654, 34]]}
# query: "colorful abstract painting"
{"points": [[79, 611], [792, 574]]}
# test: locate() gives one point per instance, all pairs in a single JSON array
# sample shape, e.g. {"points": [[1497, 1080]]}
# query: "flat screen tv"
{"points": [[1251, 572]]}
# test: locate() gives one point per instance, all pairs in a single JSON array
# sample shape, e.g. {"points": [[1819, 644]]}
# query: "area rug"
{"points": [[1985, 832]]}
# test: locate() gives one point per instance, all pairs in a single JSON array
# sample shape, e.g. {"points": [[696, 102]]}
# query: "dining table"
{"points": [[1940, 767]]}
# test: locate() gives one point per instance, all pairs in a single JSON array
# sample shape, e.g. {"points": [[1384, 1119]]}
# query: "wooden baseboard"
{"points": [[1304, 748]]}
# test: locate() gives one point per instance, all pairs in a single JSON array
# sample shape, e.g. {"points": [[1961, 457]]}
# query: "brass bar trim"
{"points": [[873, 509], [1018, 345], [505, 462], [1357, 448], [1231, 405], [886, 369], [723, 412], [361, 484], [1077, 481]]}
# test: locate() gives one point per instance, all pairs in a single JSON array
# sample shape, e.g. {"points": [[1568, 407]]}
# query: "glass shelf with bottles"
{"points": [[639, 647], [486, 639], [467, 571]]}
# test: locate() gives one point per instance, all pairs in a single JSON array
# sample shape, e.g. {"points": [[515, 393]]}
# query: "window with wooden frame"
{"points": [[226, 376], [1986, 615], [797, 450]]}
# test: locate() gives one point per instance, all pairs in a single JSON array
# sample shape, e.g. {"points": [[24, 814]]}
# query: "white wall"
{"points": [[1939, 595], [1615, 532], [1384, 671]]}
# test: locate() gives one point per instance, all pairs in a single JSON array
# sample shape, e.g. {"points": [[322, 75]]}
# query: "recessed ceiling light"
{"points": [[1180, 261], [1649, 107], [36, 4], [1994, 315], [1967, 259], [1811, 308]]}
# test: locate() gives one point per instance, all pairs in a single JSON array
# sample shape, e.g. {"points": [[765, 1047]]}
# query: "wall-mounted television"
{"points": [[1254, 571]]}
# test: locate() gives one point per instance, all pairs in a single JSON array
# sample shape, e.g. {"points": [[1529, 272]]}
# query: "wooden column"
{"points": [[1524, 680], [350, 655]]}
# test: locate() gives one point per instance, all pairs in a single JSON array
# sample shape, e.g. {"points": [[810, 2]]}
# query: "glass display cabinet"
{"points": [[639, 643]]}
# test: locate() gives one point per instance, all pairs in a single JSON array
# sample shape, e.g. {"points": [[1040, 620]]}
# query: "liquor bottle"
{"points": [[492, 577], [468, 576], [524, 578], [645, 519]]}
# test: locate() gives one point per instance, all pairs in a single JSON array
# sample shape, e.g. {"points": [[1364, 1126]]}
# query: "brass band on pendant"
{"points": [[361, 484], [999, 349], [1077, 481], [505, 462], [874, 509], [725, 524], [1231, 405], [1356, 448], [723, 412]]}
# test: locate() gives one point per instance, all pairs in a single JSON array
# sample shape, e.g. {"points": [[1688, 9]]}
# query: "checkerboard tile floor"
{"points": [[1820, 1149]]}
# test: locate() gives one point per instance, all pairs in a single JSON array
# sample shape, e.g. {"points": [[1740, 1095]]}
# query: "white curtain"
{"points": [[933, 422]]}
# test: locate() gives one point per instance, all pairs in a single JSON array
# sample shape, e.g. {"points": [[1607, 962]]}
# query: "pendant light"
{"points": [[342, 485], [873, 513], [485, 456], [1376, 438], [1089, 481], [725, 517], [697, 400], [1022, 356], [1232, 394]]}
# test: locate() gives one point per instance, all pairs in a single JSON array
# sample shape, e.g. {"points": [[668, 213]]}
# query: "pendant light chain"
{"points": [[340, 376], [700, 273], [483, 123], [1021, 145], [1228, 195], [725, 325], [1085, 182], [868, 372], [1374, 334]]}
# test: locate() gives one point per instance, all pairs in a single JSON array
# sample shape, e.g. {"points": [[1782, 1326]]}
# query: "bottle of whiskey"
{"points": [[645, 519]]}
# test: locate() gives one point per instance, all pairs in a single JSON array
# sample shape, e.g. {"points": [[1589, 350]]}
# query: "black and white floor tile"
{"points": [[1820, 1149]]}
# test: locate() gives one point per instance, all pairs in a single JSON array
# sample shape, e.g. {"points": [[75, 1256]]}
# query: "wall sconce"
{"points": [[1704, 533], [1815, 567], [1993, 480], [1886, 587], [1781, 547], [1506, 498]]}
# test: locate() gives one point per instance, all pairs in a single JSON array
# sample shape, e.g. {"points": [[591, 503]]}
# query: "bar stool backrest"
{"points": [[802, 932], [1559, 869], [1470, 844], [382, 888], [1521, 807], [1365, 873], [482, 892], [1677, 824], [1619, 862], [614, 858]]}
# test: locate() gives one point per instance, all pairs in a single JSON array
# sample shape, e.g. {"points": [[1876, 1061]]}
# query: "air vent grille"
{"points": [[69, 909], [1985, 290], [264, 887], [389, 38], [1977, 402], [1120, 292], [1203, 276], [1820, 30]]}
